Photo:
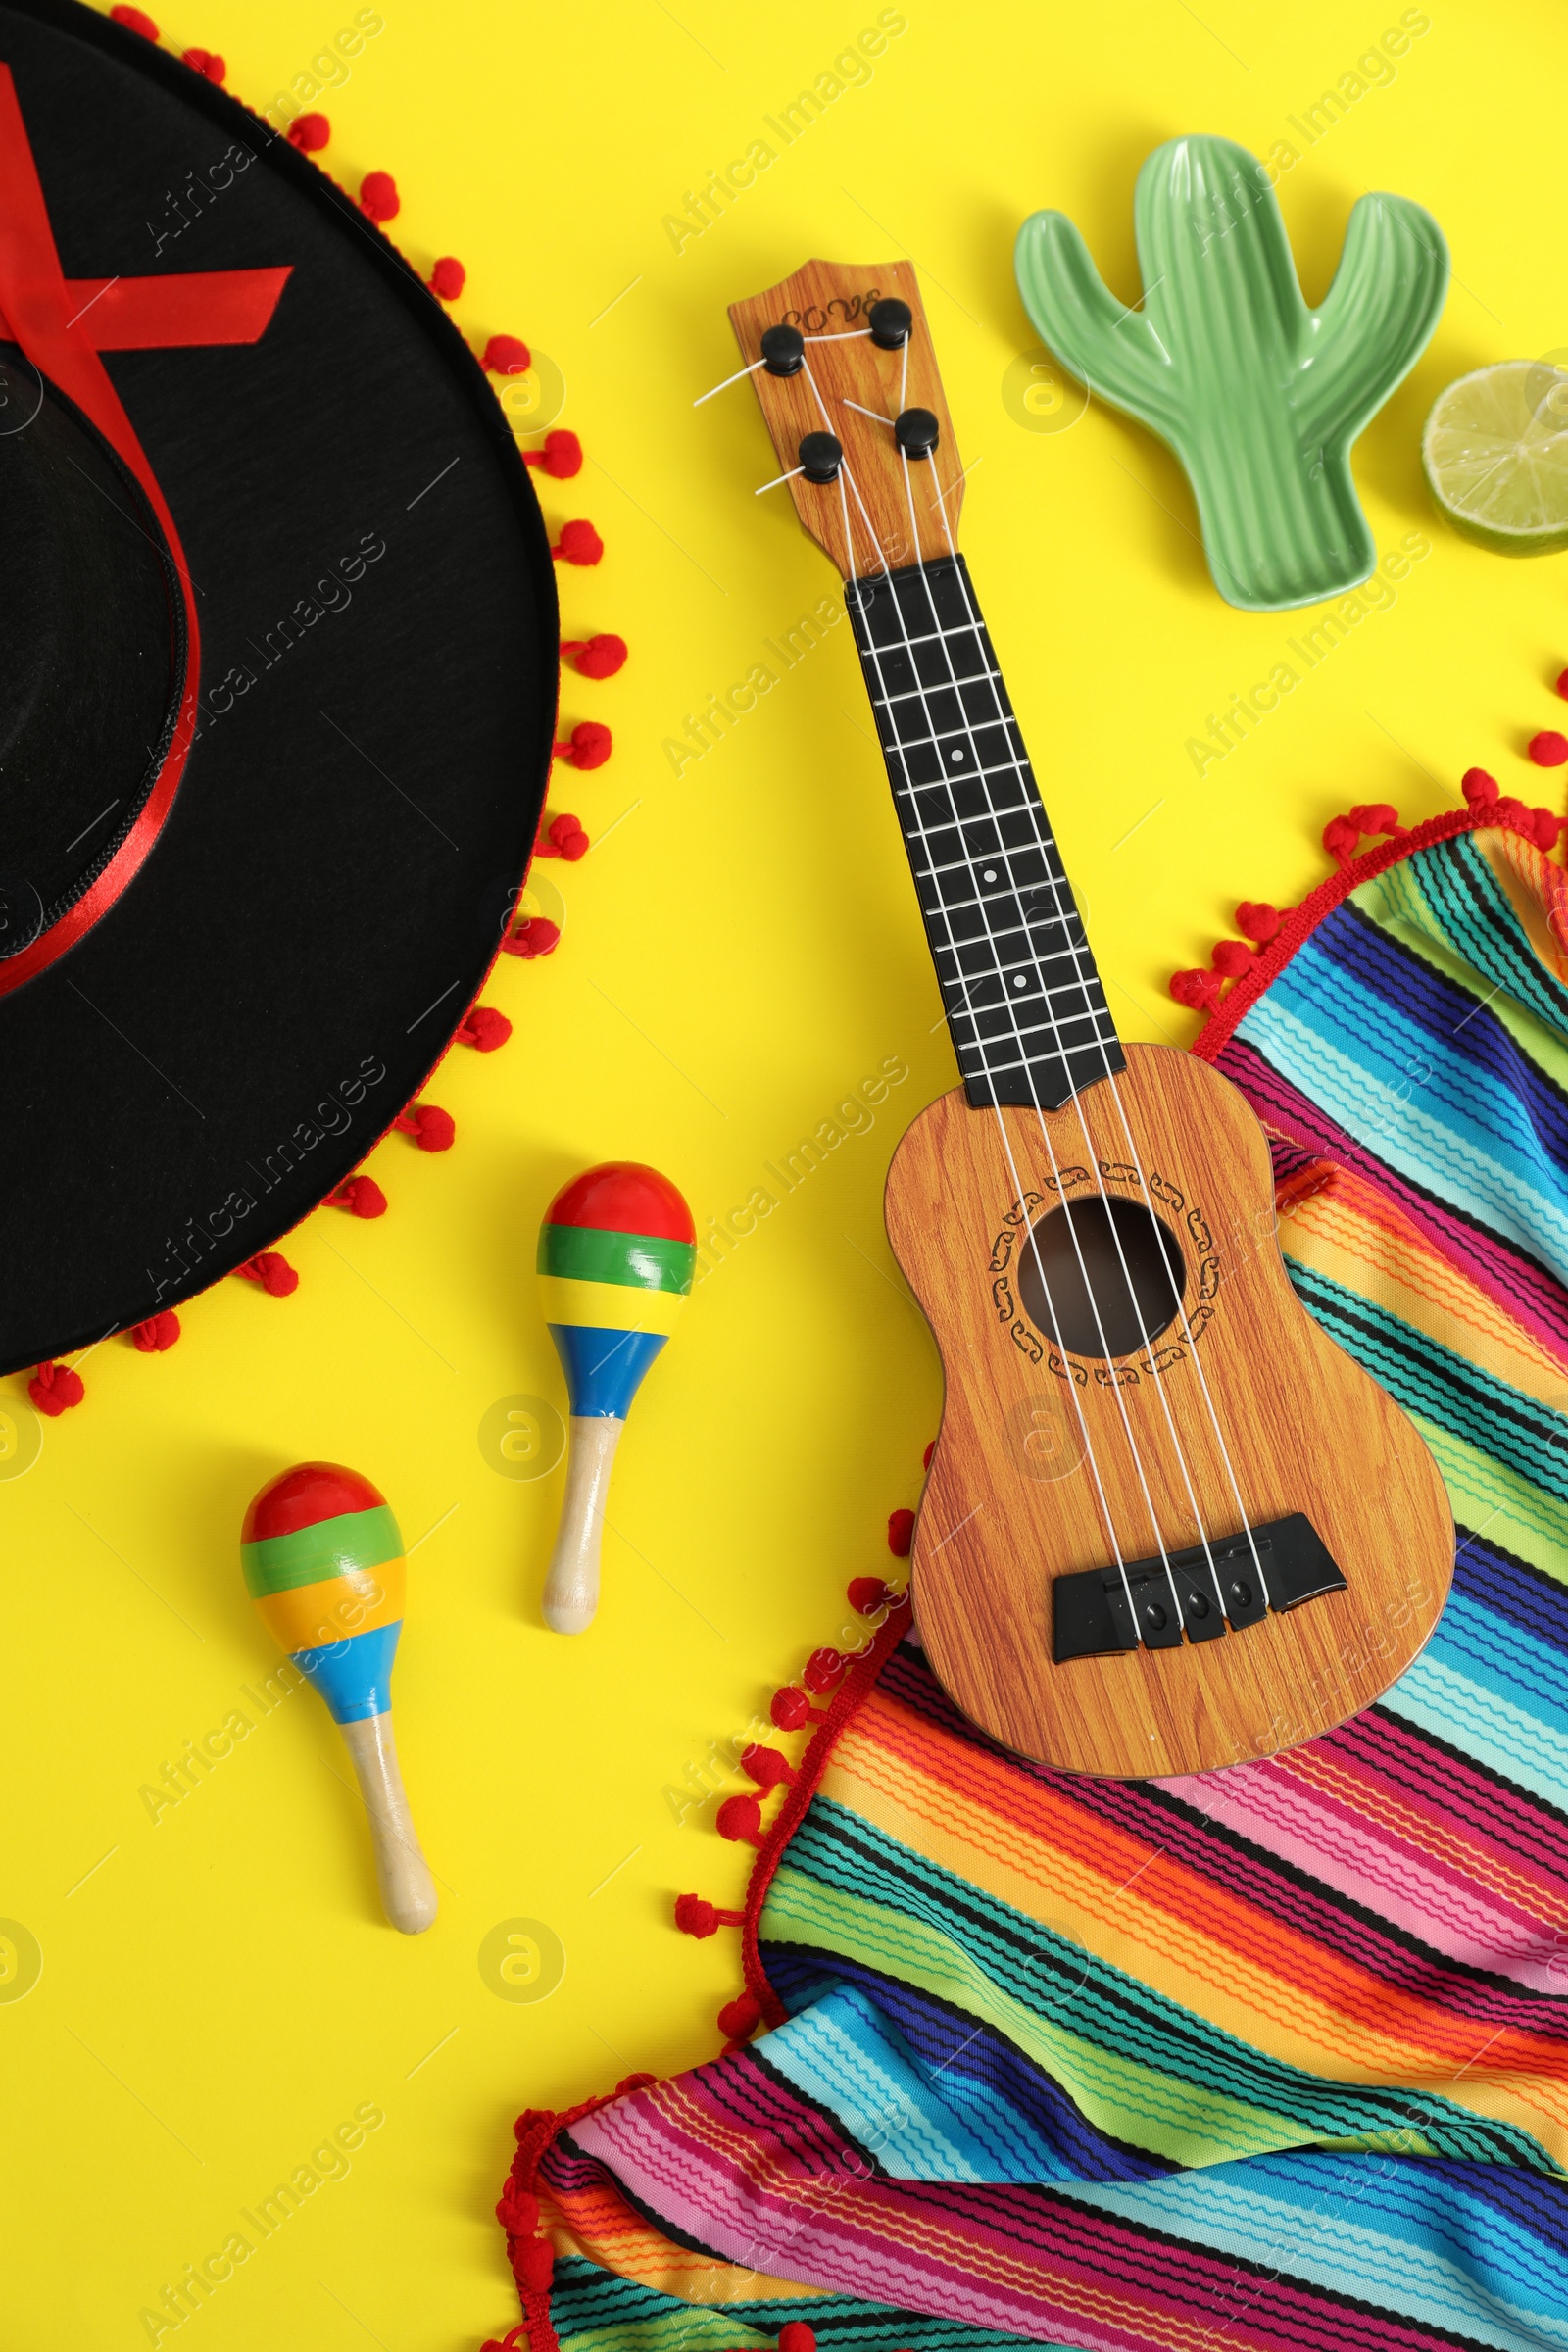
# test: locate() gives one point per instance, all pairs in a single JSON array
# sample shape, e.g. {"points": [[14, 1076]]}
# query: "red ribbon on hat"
{"points": [[62, 324]]}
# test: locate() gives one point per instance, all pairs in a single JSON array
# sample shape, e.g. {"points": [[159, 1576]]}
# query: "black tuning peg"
{"points": [[821, 456]]}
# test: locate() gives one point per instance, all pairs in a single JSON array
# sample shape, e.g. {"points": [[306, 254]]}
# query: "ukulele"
{"points": [[1170, 1525]]}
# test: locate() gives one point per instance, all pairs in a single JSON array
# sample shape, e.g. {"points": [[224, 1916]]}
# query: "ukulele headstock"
{"points": [[883, 505]]}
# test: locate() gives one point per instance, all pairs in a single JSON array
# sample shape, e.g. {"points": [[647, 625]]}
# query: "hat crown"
{"points": [[94, 653]]}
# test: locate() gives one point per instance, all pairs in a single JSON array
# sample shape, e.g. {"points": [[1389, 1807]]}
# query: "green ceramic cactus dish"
{"points": [[1259, 396]]}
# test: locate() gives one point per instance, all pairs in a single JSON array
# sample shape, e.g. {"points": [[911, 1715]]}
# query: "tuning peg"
{"points": [[891, 321], [821, 455], [783, 351], [916, 432]]}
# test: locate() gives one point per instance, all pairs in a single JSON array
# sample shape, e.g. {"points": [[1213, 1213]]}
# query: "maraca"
{"points": [[617, 1253], [323, 1563]]}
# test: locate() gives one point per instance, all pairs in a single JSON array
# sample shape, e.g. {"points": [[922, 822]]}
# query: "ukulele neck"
{"points": [[1023, 999]]}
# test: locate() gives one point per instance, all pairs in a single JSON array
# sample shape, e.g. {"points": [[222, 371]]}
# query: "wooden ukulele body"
{"points": [[1039, 1444]]}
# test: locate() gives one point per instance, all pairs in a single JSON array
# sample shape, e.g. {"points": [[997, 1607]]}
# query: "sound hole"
{"points": [[1135, 1268]]}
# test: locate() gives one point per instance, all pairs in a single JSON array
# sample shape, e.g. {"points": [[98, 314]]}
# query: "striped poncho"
{"points": [[1270, 2059]]}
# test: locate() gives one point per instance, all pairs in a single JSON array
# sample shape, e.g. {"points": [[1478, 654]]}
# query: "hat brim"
{"points": [[376, 707]]}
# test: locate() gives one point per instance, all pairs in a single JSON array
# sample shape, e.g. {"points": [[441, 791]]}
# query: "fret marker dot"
{"points": [[955, 757], [990, 875], [1020, 981]]}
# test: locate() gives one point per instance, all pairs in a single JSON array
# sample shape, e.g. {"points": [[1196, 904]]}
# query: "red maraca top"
{"points": [[306, 1495], [623, 1195]]}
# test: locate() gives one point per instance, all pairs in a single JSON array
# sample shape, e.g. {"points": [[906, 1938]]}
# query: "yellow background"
{"points": [[741, 949]]}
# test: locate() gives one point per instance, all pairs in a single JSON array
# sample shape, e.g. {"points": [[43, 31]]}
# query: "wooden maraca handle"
{"points": [[408, 1891], [571, 1584]]}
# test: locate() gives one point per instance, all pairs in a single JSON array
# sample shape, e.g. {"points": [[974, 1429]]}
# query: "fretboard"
{"points": [[1023, 999]]}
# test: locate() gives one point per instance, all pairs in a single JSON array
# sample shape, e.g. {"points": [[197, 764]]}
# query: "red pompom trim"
{"points": [[535, 2263], [536, 935], [136, 20], [867, 1593], [766, 1766], [901, 1533], [695, 1916], [275, 1275], [158, 1332], [448, 280], [309, 134], [1548, 749], [361, 1196], [1376, 817], [205, 63], [507, 355], [1258, 920], [432, 1128], [740, 1818], [796, 2336], [589, 747], [596, 657], [563, 838], [484, 1029], [824, 1671], [519, 2211], [1200, 991], [379, 196], [740, 2018], [1479, 789], [561, 456], [55, 1387], [792, 1710], [579, 543]]}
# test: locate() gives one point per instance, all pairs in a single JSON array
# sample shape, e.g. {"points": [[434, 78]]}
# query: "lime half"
{"points": [[1495, 455]]}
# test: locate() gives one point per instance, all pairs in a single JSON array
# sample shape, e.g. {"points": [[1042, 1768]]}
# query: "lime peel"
{"points": [[1494, 453]]}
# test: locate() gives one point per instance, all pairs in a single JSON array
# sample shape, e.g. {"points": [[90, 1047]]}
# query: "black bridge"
{"points": [[1090, 1618]]}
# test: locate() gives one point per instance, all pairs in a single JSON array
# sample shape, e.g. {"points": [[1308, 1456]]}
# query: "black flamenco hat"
{"points": [[278, 682]]}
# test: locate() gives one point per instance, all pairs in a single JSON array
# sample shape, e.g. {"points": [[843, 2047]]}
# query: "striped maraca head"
{"points": [[616, 1253], [323, 1563]]}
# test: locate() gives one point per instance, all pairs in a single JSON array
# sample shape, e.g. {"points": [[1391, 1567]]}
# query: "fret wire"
{"points": [[965, 865], [957, 906], [1024, 924], [1037, 995], [898, 645], [973, 1051], [1051, 1028], [1040, 963], [962, 864], [979, 1012], [975, 1062], [971, 677], [885, 708], [974, 1066], [969, 775]]}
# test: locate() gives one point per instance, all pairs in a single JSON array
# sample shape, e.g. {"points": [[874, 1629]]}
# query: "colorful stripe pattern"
{"points": [[1269, 2060], [323, 1563], [617, 1251]]}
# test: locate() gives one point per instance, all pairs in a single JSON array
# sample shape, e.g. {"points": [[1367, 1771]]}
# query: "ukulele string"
{"points": [[1040, 1121], [1090, 1147], [922, 836], [728, 381], [1143, 1180]]}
